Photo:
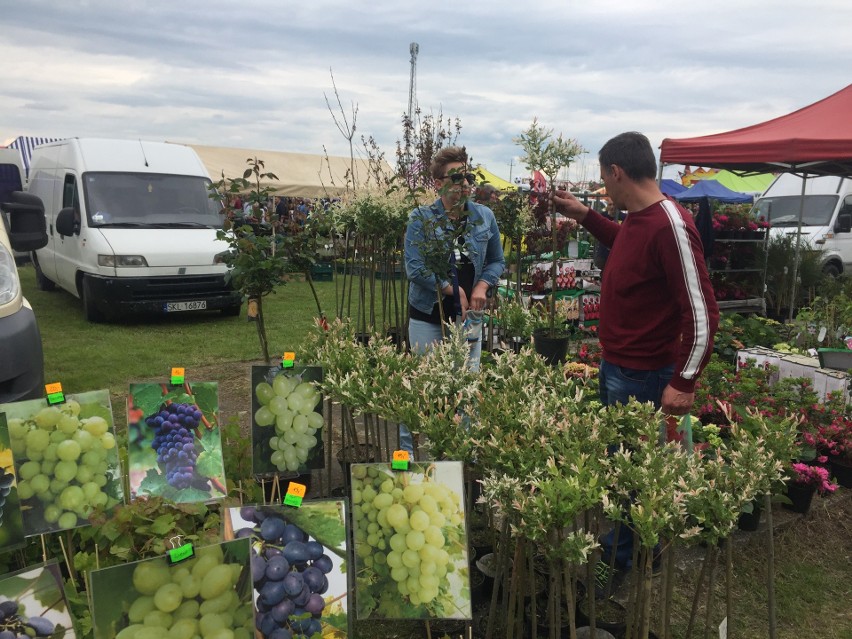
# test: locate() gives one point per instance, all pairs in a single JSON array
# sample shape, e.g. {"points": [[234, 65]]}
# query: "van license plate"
{"points": [[173, 307]]}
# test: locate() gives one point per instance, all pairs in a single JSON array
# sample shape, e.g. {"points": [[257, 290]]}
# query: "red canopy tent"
{"points": [[815, 140]]}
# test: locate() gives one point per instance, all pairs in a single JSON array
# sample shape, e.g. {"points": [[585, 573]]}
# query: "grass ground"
{"points": [[813, 553]]}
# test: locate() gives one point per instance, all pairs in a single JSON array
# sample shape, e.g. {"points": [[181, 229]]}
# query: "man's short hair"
{"points": [[633, 153], [446, 156], [485, 191]]}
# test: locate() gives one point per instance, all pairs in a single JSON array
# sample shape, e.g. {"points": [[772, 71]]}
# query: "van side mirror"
{"points": [[65, 223], [27, 228], [843, 223]]}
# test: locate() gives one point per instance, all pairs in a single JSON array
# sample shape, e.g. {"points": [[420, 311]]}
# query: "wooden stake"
{"points": [[428, 630], [43, 548]]}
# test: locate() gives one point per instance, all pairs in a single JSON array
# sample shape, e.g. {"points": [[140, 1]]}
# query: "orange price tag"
{"points": [[290, 356], [177, 376], [297, 490], [55, 387], [400, 460]]}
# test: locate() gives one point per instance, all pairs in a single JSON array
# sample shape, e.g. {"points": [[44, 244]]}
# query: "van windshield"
{"points": [[145, 200], [784, 210]]}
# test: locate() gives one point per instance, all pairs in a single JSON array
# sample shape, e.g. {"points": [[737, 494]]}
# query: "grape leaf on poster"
{"points": [[95, 410], [153, 483], [207, 398], [47, 592], [211, 440], [186, 495], [209, 463], [12, 587], [147, 397], [323, 525], [178, 396]]}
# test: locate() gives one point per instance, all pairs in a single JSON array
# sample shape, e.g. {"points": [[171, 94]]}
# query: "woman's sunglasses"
{"points": [[457, 178]]}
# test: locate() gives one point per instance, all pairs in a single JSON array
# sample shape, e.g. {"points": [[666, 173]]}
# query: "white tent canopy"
{"points": [[299, 174]]}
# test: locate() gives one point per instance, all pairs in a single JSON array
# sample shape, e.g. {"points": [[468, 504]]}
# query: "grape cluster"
{"points": [[408, 533], [174, 442], [289, 572], [290, 405], [196, 598], [6, 481], [62, 464], [14, 625]]}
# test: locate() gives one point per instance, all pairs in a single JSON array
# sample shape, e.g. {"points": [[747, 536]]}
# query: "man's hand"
{"points": [[568, 205], [478, 295], [675, 402]]}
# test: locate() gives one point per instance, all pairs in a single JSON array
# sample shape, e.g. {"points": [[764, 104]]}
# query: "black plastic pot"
{"points": [[750, 521], [553, 348], [800, 496]]}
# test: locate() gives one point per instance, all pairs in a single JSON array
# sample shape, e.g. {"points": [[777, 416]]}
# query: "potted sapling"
{"points": [[543, 152]]}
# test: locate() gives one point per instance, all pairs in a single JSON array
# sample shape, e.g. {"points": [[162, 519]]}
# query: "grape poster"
{"points": [[298, 559], [174, 442], [410, 542], [11, 521], [66, 460], [32, 604], [206, 596], [287, 420]]}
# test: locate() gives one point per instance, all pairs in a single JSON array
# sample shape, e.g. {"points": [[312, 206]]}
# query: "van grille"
{"points": [[186, 288]]}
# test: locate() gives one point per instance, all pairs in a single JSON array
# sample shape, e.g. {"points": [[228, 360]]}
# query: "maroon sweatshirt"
{"points": [[657, 303]]}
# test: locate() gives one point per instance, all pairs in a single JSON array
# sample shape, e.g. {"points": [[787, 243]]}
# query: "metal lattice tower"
{"points": [[414, 48]]}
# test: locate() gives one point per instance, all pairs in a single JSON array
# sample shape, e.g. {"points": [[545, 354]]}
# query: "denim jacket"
{"points": [[482, 240]]}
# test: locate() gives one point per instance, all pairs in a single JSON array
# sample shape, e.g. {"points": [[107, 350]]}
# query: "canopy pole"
{"points": [[797, 260], [660, 172]]}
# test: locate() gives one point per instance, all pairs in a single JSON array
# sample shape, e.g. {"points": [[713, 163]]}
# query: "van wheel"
{"points": [[42, 282], [232, 311], [93, 314], [831, 269]]}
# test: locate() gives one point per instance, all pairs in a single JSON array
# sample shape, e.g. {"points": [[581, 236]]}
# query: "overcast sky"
{"points": [[254, 73]]}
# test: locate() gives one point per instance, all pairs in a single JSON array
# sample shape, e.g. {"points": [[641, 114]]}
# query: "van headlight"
{"points": [[116, 261], [10, 285]]}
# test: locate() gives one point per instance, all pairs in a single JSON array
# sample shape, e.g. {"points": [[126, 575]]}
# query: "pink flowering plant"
{"points": [[833, 439], [816, 476]]}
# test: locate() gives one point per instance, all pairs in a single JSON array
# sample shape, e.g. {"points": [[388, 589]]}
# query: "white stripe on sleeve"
{"points": [[697, 303]]}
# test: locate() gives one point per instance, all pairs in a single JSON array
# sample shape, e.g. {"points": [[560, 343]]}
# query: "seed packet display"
{"points": [[33, 605], [66, 460], [174, 442], [287, 420], [11, 521], [207, 596], [411, 557], [298, 562]]}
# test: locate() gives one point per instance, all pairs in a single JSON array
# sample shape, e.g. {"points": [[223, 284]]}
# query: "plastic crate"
{"points": [[322, 272]]}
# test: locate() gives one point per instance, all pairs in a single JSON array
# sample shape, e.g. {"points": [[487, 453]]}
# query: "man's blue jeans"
{"points": [[617, 385]]}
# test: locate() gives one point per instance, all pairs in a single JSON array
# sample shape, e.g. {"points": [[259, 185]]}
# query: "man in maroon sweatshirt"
{"points": [[658, 311]]}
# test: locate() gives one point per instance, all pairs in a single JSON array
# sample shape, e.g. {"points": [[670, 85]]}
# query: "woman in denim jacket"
{"points": [[471, 267]]}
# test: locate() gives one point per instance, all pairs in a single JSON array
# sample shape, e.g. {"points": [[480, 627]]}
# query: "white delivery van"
{"points": [[21, 229], [131, 228], [826, 220]]}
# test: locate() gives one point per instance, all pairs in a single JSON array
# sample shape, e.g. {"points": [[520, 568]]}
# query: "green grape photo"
{"points": [[11, 520], [33, 605], [298, 565], [174, 442], [411, 559], [287, 420], [206, 596], [66, 460]]}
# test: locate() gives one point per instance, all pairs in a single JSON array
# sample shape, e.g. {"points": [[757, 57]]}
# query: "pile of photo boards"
{"points": [[394, 548]]}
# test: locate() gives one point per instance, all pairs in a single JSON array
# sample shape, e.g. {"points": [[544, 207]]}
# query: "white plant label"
{"points": [[723, 629]]}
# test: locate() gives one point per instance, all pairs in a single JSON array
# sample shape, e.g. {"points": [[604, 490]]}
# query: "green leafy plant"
{"points": [[549, 155], [256, 269]]}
